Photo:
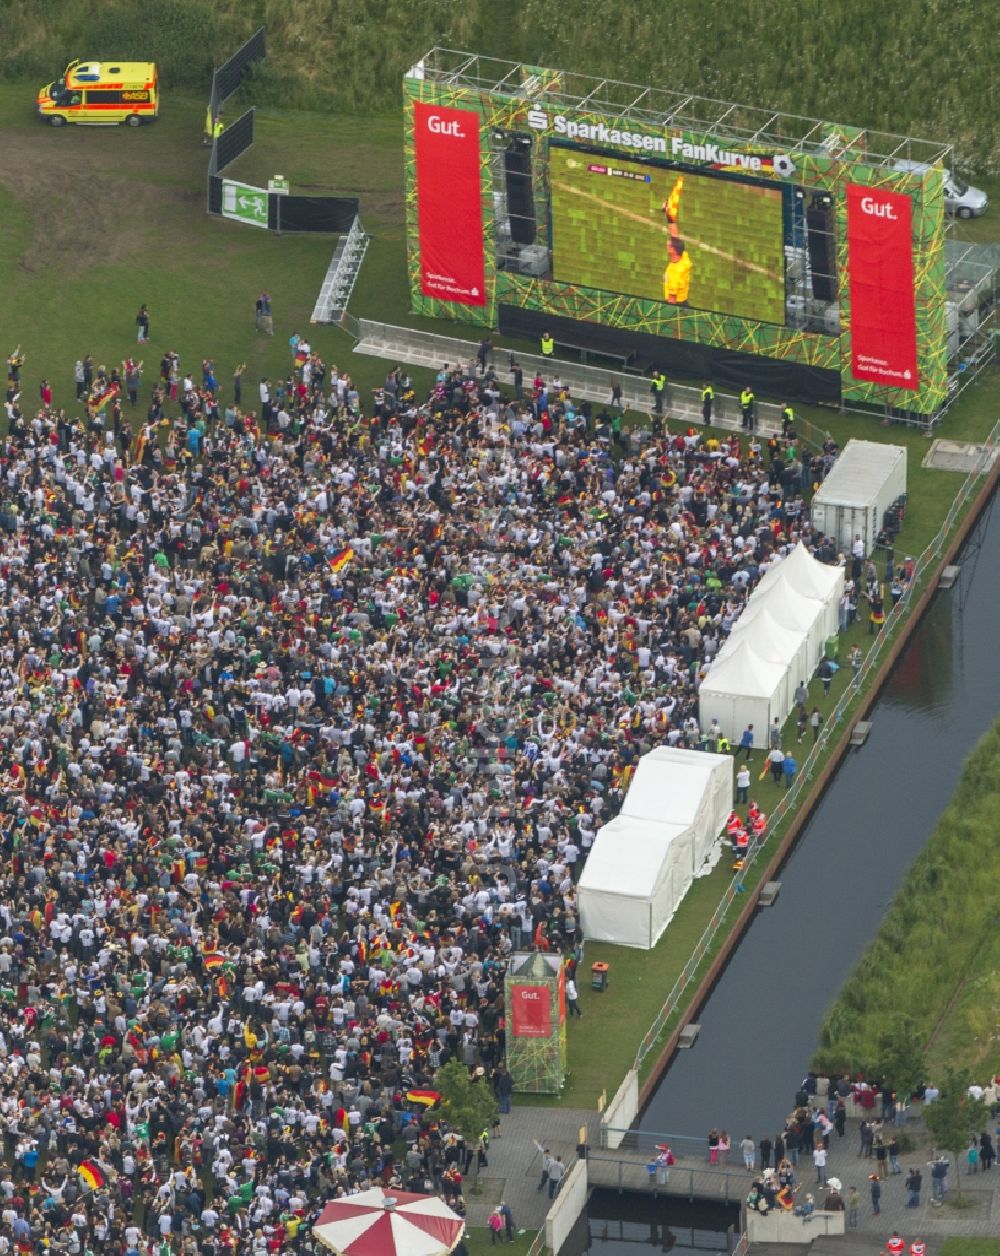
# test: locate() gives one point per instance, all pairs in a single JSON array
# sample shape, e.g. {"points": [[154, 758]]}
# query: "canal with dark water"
{"points": [[622, 1225], [761, 1022]]}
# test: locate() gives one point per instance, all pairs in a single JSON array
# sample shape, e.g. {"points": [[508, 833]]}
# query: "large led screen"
{"points": [[667, 235]]}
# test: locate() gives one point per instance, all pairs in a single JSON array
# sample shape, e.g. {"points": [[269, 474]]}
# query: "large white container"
{"points": [[866, 479]]}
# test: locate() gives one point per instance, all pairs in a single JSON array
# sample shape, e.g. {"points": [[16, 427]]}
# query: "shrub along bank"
{"points": [[935, 963]]}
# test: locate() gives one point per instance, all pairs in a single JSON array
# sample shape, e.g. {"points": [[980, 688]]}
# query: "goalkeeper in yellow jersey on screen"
{"points": [[677, 275]]}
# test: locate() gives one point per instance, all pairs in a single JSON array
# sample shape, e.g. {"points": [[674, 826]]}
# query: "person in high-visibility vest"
{"points": [[209, 128], [707, 398], [787, 419], [746, 408], [658, 385], [217, 128], [548, 345]]}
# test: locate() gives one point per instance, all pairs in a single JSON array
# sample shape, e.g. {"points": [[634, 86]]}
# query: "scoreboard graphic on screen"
{"points": [[800, 241]]}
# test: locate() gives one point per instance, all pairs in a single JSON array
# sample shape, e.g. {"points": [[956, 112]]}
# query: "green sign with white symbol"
{"points": [[244, 203]]}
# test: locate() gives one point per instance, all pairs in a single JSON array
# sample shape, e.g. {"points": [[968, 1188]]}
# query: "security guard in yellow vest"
{"points": [[746, 408], [218, 128], [548, 345], [658, 385], [707, 398], [787, 419]]}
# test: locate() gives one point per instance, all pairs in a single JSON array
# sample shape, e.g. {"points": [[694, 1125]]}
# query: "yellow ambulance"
{"points": [[102, 93]]}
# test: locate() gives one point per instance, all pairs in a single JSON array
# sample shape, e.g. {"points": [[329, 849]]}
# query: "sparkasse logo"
{"points": [[538, 119]]}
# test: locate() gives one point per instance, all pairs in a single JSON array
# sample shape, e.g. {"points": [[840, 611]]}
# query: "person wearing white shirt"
{"points": [[572, 996]]}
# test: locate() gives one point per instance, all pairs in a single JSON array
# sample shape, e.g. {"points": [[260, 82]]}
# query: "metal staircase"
{"points": [[341, 275]]}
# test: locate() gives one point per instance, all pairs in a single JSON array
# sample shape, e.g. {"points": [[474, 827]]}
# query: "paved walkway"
{"points": [[515, 1168], [927, 1222], [516, 1165]]}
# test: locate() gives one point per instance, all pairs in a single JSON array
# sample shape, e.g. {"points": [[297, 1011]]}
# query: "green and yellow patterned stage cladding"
{"points": [[829, 167]]}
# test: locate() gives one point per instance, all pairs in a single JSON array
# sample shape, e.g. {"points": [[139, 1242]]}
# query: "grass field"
{"points": [[970, 1247], [904, 67], [97, 221], [478, 1240]]}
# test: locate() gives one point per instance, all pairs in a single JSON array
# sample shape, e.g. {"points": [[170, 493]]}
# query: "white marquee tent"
{"points": [[809, 578], [718, 792], [644, 860], [777, 642], [740, 689], [796, 612], [774, 643]]}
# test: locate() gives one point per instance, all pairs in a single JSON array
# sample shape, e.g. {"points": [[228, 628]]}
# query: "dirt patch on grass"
{"points": [[91, 196]]}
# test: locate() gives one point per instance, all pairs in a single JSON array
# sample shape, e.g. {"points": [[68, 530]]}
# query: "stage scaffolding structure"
{"points": [[673, 110], [972, 279]]}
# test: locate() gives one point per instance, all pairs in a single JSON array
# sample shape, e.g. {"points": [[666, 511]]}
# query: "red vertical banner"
{"points": [[880, 267], [562, 995], [531, 1016], [449, 204]]}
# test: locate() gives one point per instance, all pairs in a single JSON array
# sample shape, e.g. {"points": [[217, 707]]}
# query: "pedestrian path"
{"points": [[515, 1164], [514, 1171], [926, 1221]]}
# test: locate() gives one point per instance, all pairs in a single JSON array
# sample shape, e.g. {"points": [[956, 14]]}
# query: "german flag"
{"points": [[426, 1098], [340, 560], [90, 1172], [213, 959]]}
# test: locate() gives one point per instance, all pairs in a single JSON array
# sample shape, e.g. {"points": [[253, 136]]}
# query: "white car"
{"points": [[960, 198]]}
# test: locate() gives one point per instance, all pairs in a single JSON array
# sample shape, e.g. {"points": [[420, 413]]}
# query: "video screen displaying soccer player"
{"points": [[667, 235]]}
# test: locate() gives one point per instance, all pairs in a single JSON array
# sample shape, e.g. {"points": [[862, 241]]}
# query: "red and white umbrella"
{"points": [[388, 1223]]}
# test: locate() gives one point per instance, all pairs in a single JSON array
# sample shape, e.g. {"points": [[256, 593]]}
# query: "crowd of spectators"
{"points": [[784, 1166], [310, 713]]}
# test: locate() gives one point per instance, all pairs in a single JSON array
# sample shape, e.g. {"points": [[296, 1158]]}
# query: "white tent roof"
{"points": [[742, 672], [643, 861], [766, 637], [792, 610], [668, 786], [805, 574], [627, 856], [715, 772], [860, 472]]}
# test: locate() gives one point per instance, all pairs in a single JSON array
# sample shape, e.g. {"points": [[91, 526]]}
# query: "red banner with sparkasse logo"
{"points": [[530, 1011], [449, 204], [880, 265]]}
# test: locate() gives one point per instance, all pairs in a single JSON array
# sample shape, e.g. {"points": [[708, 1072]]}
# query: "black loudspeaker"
{"points": [[520, 201], [821, 228]]}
